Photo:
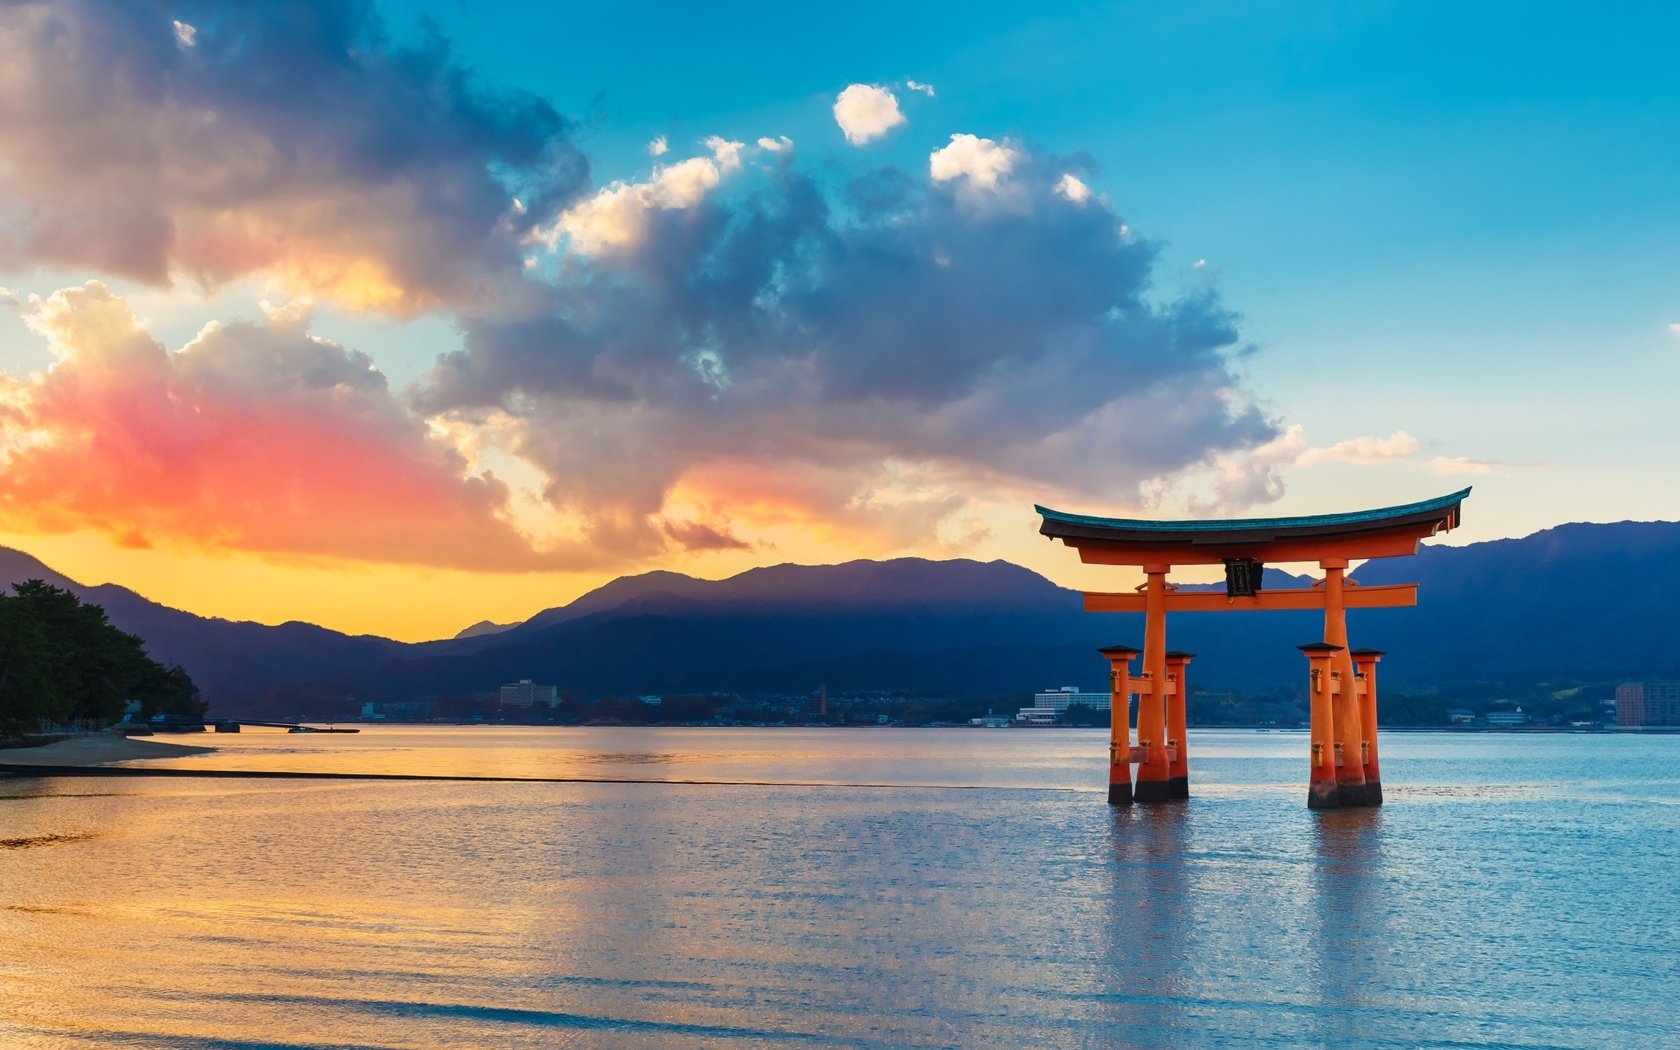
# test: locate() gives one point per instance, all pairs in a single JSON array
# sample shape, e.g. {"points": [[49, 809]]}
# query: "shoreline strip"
{"points": [[30, 770]]}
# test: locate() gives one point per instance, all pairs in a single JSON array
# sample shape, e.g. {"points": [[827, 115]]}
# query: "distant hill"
{"points": [[483, 628], [863, 624], [225, 657], [1589, 602], [1579, 601]]}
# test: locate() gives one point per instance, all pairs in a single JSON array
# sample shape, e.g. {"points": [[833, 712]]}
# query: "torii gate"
{"points": [[1342, 683]]}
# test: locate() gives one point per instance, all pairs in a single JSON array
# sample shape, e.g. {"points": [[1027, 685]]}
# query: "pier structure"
{"points": [[1341, 682]]}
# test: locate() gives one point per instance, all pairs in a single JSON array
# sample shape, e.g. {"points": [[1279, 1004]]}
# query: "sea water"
{"points": [[846, 888]]}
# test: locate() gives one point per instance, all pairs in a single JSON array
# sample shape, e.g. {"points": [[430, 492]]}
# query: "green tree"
{"points": [[61, 659], [28, 689], [1081, 715], [169, 691]]}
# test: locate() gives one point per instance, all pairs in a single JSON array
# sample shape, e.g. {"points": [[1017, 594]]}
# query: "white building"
{"points": [[1049, 706], [1068, 695], [525, 693]]}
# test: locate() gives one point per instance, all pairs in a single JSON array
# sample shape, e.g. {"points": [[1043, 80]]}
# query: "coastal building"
{"points": [[1068, 695], [1461, 716], [1630, 704], [1653, 703], [526, 693], [1049, 706], [1506, 718], [1662, 703]]}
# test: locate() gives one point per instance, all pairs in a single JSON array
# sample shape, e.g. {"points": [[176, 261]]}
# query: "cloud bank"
{"points": [[161, 142], [689, 360], [873, 359]]}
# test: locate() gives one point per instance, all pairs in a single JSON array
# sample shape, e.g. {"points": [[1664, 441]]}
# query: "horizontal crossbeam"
{"points": [[1385, 596]]}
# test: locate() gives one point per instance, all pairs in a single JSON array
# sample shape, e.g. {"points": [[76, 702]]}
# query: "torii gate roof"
{"points": [[1384, 532]]}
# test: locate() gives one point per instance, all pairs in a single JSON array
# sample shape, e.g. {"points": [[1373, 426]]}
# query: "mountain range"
{"points": [[1580, 602]]}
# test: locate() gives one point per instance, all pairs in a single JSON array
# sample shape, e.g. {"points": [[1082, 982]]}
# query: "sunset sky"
{"points": [[395, 317]]}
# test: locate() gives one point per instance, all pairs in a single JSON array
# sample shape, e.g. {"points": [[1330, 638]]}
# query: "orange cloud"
{"points": [[847, 508], [253, 437]]}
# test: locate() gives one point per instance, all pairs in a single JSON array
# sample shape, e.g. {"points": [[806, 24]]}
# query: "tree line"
{"points": [[62, 660]]}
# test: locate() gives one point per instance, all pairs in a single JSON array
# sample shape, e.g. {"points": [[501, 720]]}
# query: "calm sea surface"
{"points": [[870, 888]]}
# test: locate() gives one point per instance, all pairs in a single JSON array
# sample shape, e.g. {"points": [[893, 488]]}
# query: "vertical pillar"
{"points": [[1346, 727], [1153, 772], [1120, 721], [1321, 783], [1178, 753], [1366, 661]]}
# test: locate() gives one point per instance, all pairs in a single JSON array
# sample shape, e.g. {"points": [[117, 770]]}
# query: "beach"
{"points": [[96, 749]]}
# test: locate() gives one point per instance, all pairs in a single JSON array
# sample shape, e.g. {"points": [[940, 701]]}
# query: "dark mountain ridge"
{"points": [[225, 657], [1579, 601]]}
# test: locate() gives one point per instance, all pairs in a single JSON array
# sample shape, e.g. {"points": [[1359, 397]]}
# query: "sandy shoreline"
{"points": [[96, 749]]}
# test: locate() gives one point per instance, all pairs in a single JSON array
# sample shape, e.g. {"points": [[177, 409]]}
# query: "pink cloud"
{"points": [[254, 437]]}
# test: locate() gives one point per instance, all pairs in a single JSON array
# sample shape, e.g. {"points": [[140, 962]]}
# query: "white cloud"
{"points": [[682, 185], [1245, 479], [926, 89], [1255, 476], [185, 35], [1073, 189], [617, 216], [1674, 329], [1199, 264], [1463, 465], [982, 162], [726, 152], [292, 313], [779, 144], [658, 147], [1398, 445], [865, 112]]}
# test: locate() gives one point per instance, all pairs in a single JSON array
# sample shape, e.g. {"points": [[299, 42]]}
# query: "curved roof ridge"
{"points": [[1358, 517]]}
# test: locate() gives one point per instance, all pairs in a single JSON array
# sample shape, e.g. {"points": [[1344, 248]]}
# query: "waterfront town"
{"points": [[1651, 704]]}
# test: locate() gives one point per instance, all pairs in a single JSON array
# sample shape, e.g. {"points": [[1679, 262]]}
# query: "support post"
{"points": [[1366, 661], [1321, 782], [1344, 702], [1178, 744], [1120, 720], [1153, 772]]}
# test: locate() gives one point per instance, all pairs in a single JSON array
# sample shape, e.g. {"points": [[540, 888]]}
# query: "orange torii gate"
{"points": [[1342, 683]]}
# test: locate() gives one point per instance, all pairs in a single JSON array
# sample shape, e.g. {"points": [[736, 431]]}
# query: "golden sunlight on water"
{"points": [[1475, 909]]}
